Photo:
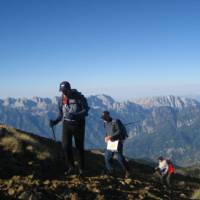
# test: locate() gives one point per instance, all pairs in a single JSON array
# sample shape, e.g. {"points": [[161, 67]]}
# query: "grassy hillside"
{"points": [[32, 167]]}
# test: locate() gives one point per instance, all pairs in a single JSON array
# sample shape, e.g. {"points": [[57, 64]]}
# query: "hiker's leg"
{"points": [[168, 180], [170, 184], [108, 160], [121, 160], [67, 145], [162, 182], [162, 179], [79, 136]]}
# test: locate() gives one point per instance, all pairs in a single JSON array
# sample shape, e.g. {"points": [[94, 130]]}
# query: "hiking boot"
{"points": [[127, 174], [80, 172], [110, 172], [103, 172]]}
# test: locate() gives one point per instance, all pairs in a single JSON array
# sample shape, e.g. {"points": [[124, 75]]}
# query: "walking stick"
{"points": [[131, 123], [53, 133]]}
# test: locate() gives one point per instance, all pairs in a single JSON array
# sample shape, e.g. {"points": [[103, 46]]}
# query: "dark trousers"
{"points": [[119, 156], [167, 179], [76, 130]]}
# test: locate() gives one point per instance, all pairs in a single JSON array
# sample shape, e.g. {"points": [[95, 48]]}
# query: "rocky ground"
{"points": [[32, 168]]}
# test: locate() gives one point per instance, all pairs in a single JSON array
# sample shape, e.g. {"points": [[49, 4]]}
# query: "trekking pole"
{"points": [[130, 123], [54, 136]]}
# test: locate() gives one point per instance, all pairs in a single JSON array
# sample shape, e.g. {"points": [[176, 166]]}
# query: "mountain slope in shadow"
{"points": [[32, 168]]}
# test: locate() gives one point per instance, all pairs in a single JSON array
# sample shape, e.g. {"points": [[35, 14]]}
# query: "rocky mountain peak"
{"points": [[170, 101], [97, 101]]}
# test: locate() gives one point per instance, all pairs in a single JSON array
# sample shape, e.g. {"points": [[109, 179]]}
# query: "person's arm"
{"points": [[166, 168], [80, 114], [107, 137], [157, 168], [117, 134], [60, 115]]}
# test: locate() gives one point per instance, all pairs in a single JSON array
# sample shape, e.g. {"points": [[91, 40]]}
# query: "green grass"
{"points": [[196, 194]]}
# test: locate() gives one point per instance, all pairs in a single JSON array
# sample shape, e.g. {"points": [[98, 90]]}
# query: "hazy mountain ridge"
{"points": [[165, 125], [171, 101]]}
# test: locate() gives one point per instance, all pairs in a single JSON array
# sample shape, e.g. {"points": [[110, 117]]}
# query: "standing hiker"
{"points": [[114, 132], [73, 109]]}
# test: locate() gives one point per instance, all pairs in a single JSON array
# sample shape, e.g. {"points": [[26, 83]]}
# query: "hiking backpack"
{"points": [[81, 100], [122, 128], [84, 104]]}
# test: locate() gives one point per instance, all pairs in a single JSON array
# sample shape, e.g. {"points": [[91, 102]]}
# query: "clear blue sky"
{"points": [[127, 48]]}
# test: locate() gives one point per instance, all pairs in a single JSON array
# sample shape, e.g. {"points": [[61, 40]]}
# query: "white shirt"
{"points": [[163, 166]]}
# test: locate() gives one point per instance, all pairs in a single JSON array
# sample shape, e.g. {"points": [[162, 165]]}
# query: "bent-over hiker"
{"points": [[166, 171]]}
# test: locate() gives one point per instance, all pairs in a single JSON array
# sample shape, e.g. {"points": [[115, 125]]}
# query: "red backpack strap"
{"points": [[65, 100]]}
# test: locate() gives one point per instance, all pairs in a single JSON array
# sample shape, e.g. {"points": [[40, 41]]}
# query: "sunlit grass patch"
{"points": [[196, 194], [11, 144]]}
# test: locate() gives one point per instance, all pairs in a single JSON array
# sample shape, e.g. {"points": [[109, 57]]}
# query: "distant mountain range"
{"points": [[168, 125]]}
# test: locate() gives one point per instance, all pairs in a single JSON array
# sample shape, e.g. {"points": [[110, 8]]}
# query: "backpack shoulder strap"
{"points": [[118, 122], [114, 122], [122, 128], [81, 99]]}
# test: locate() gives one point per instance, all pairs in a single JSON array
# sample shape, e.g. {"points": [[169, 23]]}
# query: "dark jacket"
{"points": [[112, 129]]}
